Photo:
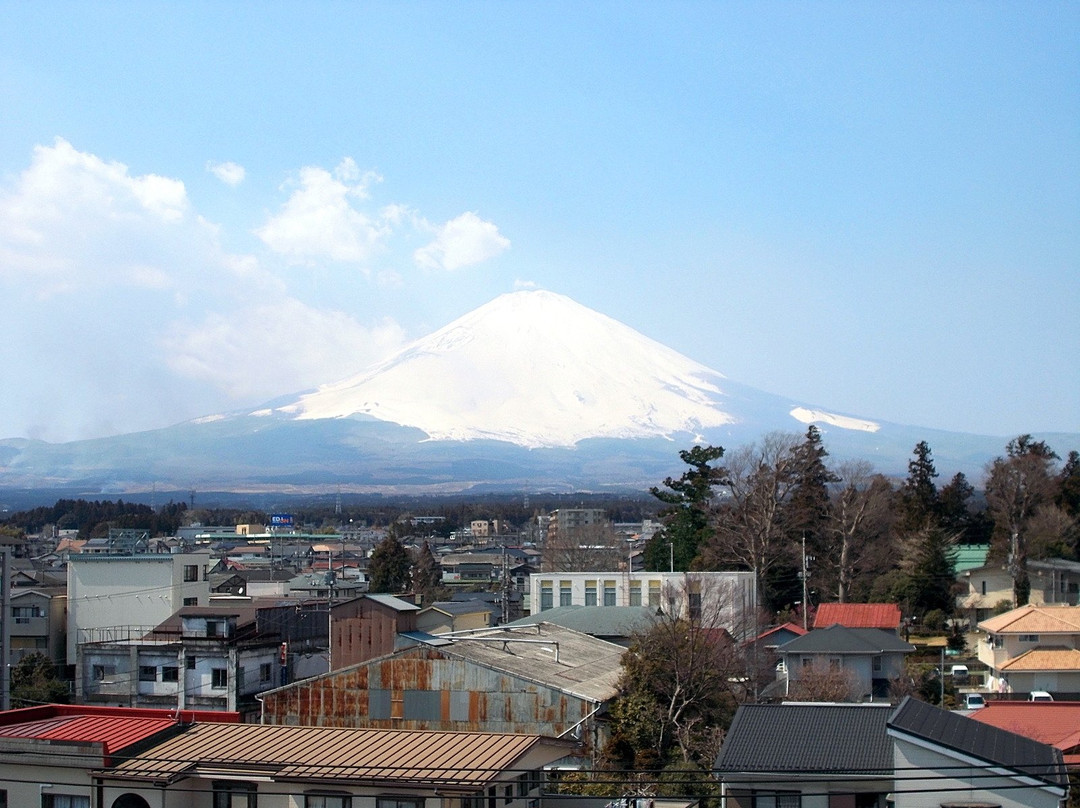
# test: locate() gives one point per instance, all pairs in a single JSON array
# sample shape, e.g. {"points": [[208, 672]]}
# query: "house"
{"points": [[367, 627], [812, 755], [821, 755], [48, 753], [1054, 581], [450, 616], [870, 657], [725, 600], [135, 759], [38, 622], [944, 758], [1033, 648], [884, 616], [113, 595], [540, 679], [1055, 723]]}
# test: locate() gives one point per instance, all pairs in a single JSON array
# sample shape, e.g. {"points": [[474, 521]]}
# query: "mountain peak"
{"points": [[532, 368]]}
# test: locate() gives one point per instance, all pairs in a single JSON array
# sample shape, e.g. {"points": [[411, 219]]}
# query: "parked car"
{"points": [[1040, 695], [973, 701]]}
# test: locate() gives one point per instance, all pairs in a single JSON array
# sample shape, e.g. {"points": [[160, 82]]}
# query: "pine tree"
{"points": [[919, 494], [427, 575], [390, 568], [686, 517]]}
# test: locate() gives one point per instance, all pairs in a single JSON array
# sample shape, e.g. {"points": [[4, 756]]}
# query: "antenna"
{"points": [[191, 499]]}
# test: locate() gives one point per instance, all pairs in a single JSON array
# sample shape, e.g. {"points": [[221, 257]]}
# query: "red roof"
{"points": [[112, 727], [1056, 723], [885, 616]]}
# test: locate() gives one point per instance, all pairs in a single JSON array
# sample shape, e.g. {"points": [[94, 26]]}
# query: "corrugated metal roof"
{"points": [[812, 738], [463, 760], [599, 621], [858, 615], [111, 732]]}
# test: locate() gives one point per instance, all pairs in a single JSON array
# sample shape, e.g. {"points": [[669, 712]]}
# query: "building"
{"points": [[1054, 581], [38, 622], [367, 627], [539, 679], [1055, 723], [725, 600], [77, 757], [869, 657], [883, 616], [1033, 648], [820, 755], [452, 616], [116, 596]]}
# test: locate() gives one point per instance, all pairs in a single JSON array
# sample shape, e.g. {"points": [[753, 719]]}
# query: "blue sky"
{"points": [[873, 208]]}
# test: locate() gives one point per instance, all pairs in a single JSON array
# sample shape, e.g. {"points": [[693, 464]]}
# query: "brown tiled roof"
{"points": [[1035, 620], [1044, 659], [465, 760], [885, 616], [1056, 723]]}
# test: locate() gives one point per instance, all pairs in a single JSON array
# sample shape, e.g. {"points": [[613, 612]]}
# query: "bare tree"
{"points": [[824, 683], [857, 522], [582, 549]]}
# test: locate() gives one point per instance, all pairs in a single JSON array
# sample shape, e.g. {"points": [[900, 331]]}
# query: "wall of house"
{"points": [[48, 770], [364, 629], [947, 780]]}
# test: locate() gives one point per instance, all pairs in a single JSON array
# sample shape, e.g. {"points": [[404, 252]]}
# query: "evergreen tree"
{"points": [[34, 681], [390, 568], [928, 566], [1068, 482], [919, 495], [686, 517], [427, 575]]}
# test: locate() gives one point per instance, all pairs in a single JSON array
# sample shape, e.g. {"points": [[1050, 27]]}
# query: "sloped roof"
{"points": [[810, 738], [599, 621], [466, 760], [394, 603], [1035, 620], [1044, 659], [1056, 723], [970, 556], [858, 615], [843, 640], [976, 739]]}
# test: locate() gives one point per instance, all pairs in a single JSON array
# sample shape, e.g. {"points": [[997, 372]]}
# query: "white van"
{"points": [[973, 701], [1040, 695]]}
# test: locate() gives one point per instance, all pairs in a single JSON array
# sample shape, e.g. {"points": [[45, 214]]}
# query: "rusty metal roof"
{"points": [[464, 760]]}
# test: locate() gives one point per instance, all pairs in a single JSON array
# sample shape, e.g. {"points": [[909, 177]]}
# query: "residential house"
{"points": [[820, 755], [38, 621], [725, 600], [471, 569], [1055, 723], [869, 657], [884, 616], [451, 616], [1054, 581], [75, 757], [540, 679], [117, 596], [1032, 648]]}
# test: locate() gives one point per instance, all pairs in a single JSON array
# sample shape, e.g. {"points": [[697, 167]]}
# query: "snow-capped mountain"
{"points": [[529, 389], [537, 370]]}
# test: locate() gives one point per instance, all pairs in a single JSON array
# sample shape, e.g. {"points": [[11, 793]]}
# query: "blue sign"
{"points": [[281, 520]]}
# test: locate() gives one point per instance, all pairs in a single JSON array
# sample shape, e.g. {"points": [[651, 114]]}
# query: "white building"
{"points": [[719, 599], [110, 594]]}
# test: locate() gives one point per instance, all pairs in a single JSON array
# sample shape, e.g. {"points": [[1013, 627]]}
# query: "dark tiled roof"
{"points": [[976, 739], [843, 640], [811, 738]]}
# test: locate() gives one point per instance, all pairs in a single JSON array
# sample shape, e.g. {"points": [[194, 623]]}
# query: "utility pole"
{"points": [[805, 588]]}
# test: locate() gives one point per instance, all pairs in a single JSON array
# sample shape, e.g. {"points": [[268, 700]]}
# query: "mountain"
{"points": [[529, 390]]}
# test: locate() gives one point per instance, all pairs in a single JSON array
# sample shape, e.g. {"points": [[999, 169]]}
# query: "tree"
{"points": [[427, 574], [34, 681], [751, 530], [808, 509], [1016, 486], [928, 566], [1068, 494], [823, 683], [390, 568], [687, 515], [581, 549], [859, 516], [678, 691], [918, 494]]}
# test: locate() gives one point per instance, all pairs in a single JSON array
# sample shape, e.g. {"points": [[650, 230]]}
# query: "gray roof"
{"points": [[808, 738], [458, 607], [600, 621], [843, 640], [393, 602], [979, 740]]}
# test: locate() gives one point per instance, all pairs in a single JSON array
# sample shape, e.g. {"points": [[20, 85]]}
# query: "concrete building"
{"points": [[725, 600], [38, 622]]}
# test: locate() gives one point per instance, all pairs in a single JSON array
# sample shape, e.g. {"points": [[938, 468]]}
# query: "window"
{"points": [[654, 593], [1028, 638], [100, 672], [590, 593], [547, 595], [566, 597], [234, 795], [191, 601], [508, 794], [807, 662], [996, 641], [64, 801], [189, 663], [635, 593], [398, 802], [695, 605], [170, 673], [609, 593], [266, 672], [191, 573], [835, 663], [215, 628], [328, 800], [219, 678], [24, 614], [877, 664], [147, 673], [982, 588]]}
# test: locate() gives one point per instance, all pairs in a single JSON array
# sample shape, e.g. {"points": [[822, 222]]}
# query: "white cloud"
{"points": [[276, 347], [461, 242], [319, 221], [232, 174]]}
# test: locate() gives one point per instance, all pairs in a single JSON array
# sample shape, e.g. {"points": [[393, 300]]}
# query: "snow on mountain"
{"points": [[536, 369]]}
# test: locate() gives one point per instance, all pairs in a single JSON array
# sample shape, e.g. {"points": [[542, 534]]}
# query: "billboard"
{"points": [[281, 520]]}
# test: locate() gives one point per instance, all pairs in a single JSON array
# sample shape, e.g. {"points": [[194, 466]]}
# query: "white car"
{"points": [[973, 701], [1040, 695]]}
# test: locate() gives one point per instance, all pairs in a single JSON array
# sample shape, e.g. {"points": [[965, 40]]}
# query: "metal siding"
{"points": [[379, 703], [423, 705]]}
